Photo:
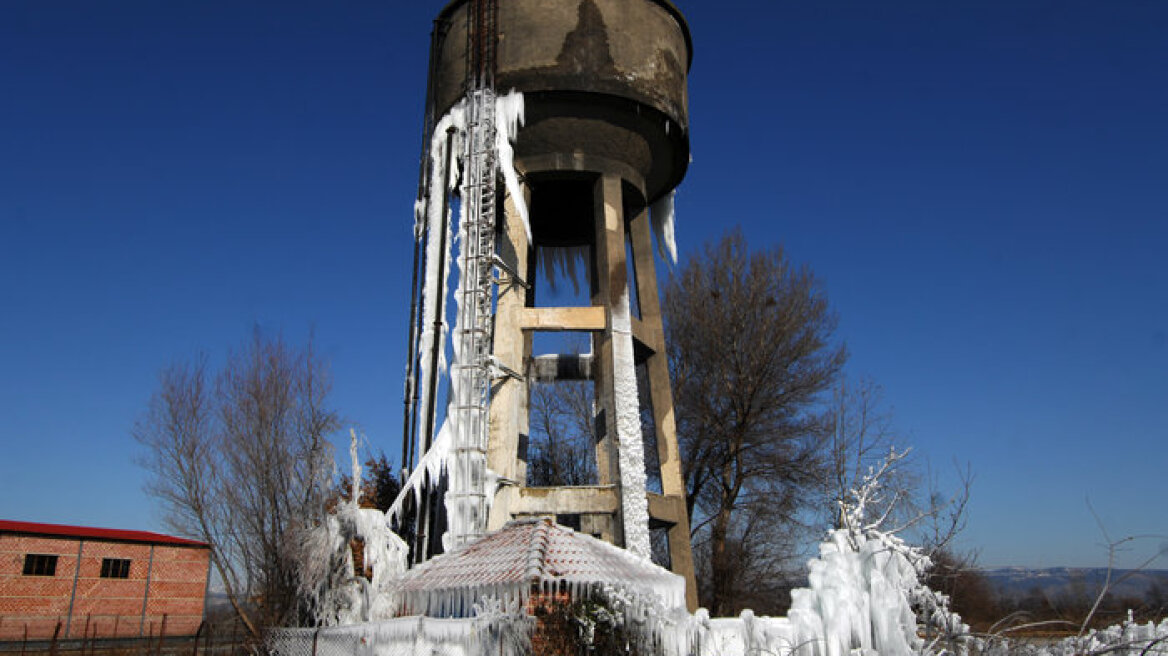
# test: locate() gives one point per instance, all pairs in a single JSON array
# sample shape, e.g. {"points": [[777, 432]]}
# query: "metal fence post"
{"points": [[53, 644], [195, 642]]}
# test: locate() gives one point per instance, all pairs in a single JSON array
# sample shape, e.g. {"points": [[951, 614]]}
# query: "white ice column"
{"points": [[624, 423]]}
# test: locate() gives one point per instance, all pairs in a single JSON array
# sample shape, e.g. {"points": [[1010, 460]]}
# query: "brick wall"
{"points": [[102, 607]]}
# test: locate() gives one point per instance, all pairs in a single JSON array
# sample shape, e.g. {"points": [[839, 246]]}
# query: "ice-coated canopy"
{"points": [[532, 554]]}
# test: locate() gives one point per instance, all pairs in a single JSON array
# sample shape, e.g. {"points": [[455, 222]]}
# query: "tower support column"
{"points": [[511, 349], [651, 335], [622, 444]]}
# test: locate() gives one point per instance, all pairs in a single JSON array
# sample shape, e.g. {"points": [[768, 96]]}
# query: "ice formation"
{"points": [[489, 634], [859, 601], [504, 634], [448, 159], [573, 262], [533, 556], [630, 443], [856, 599], [337, 593], [865, 597], [663, 218], [433, 223], [509, 117], [569, 261]]}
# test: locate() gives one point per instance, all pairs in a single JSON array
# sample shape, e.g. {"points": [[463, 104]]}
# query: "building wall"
{"points": [[101, 607]]}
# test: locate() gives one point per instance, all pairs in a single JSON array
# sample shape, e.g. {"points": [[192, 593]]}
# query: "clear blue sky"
{"points": [[981, 186]]}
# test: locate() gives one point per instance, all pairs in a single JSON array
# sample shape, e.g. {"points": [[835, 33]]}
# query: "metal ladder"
{"points": [[477, 290]]}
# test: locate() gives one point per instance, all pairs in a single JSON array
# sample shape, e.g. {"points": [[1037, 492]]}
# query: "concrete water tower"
{"points": [[606, 135]]}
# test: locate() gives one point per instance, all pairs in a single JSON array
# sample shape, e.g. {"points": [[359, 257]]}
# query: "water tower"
{"points": [[605, 137]]}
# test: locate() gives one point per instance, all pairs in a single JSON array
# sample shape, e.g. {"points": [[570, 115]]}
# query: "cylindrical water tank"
{"points": [[604, 83]]}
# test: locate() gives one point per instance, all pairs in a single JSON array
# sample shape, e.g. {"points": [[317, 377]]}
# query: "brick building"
{"points": [[98, 582]]}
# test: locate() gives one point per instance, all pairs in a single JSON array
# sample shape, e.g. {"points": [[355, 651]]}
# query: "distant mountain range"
{"points": [[1019, 582]]}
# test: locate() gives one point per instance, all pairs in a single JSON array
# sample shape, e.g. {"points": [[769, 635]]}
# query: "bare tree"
{"points": [[875, 487], [909, 500], [862, 441], [861, 436], [241, 460], [560, 451], [751, 351], [562, 415]]}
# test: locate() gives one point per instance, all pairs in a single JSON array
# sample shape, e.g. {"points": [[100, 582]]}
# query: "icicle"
{"points": [[419, 219], [438, 222], [433, 464], [663, 218], [509, 116], [356, 471], [569, 260]]}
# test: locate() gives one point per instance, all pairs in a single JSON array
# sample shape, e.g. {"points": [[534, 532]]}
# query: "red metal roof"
{"points": [[116, 534]]}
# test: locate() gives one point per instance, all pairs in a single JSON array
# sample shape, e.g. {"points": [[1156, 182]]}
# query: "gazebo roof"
{"points": [[532, 554]]}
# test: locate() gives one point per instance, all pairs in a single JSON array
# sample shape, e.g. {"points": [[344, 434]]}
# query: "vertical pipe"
{"points": [[53, 644], [407, 458], [198, 634], [439, 302], [423, 519], [73, 594], [409, 421]]}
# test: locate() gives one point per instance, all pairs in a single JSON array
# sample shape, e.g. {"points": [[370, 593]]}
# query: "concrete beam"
{"points": [[666, 508], [564, 318], [562, 500], [560, 367]]}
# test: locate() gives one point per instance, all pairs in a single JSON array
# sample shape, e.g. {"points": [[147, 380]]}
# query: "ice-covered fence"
{"points": [[697, 635], [406, 636], [510, 636], [748, 635], [745, 635]]}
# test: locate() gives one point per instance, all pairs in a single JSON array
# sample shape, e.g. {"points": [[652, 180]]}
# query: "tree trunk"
{"points": [[723, 571]]}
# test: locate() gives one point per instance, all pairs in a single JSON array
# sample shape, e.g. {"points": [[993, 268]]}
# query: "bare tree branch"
{"points": [[243, 463]]}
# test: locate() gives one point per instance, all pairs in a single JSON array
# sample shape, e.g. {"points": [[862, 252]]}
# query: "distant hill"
{"points": [[1018, 582]]}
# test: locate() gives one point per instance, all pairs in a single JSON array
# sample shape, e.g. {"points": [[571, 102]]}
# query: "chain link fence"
{"points": [[221, 638]]}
